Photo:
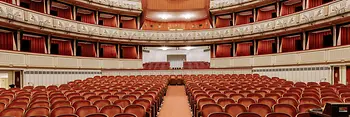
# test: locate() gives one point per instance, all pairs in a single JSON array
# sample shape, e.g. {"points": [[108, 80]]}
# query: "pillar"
{"points": [[74, 12], [278, 45], [118, 50], [18, 40], [75, 47], [49, 44], [214, 51], [96, 17], [138, 51], [278, 9], [138, 19], [118, 21], [304, 42], [255, 46], [254, 15], [234, 49], [334, 35], [48, 6], [233, 19], [213, 21], [97, 49]]}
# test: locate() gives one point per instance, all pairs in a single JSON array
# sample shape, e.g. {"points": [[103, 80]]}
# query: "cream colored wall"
{"points": [[177, 72]]}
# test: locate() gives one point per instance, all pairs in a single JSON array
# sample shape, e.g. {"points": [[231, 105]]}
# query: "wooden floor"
{"points": [[175, 103]]}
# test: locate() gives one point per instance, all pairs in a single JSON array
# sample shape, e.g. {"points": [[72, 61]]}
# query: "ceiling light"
{"points": [[164, 16], [187, 16], [164, 48], [188, 48]]}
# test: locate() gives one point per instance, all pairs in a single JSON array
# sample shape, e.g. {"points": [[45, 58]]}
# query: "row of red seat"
{"points": [[134, 96], [156, 65], [196, 65], [209, 94]]}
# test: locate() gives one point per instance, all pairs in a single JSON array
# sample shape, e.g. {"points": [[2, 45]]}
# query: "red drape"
{"points": [[347, 75], [88, 18], [87, 49], [243, 49], [243, 19], [265, 15], [37, 6], [222, 22], [112, 22], [129, 52], [6, 41], [223, 50], [64, 13], [288, 43], [109, 51], [38, 44], [8, 1], [316, 39], [314, 3], [130, 24], [265, 46], [289, 9], [64, 47], [345, 35]]}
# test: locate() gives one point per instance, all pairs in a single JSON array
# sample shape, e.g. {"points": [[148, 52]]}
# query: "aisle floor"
{"points": [[175, 103]]}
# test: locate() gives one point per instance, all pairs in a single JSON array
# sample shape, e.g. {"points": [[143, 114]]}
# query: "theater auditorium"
{"points": [[174, 58]]}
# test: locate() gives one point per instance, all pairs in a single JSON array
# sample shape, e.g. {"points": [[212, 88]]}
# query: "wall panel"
{"points": [[176, 72]]}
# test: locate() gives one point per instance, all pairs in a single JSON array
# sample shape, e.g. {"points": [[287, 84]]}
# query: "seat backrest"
{"points": [[285, 108], [260, 109], [330, 100], [37, 111], [225, 101], [101, 103], [62, 110], [122, 103], [111, 110], [125, 115], [97, 115], [40, 104], [68, 115], [235, 109], [309, 101], [278, 115], [267, 101], [86, 110], [210, 108], [60, 103], [287, 100], [81, 103], [248, 114], [204, 101], [219, 114], [246, 101], [138, 110], [307, 107], [14, 112], [303, 114], [2, 106], [144, 102]]}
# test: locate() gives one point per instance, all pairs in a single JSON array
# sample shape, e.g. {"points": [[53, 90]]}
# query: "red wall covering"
{"points": [[288, 43], [6, 41], [289, 9], [129, 52], [112, 22], [243, 49], [223, 50], [63, 13], [264, 15], [64, 47], [315, 3], [242, 19], [109, 51], [8, 1], [316, 39], [222, 22], [130, 24], [87, 49], [36, 6], [38, 44], [345, 35], [265, 46], [88, 18]]}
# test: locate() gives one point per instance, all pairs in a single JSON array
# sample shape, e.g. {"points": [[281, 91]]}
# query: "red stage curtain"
{"points": [[6, 41], [63, 13], [265, 46], [222, 22], [316, 39], [64, 47], [109, 51], [243, 49], [87, 49], [345, 35], [8, 1], [223, 50], [88, 18], [288, 43], [38, 44], [265, 15], [289, 9], [243, 19], [112, 22], [129, 52], [37, 6]]}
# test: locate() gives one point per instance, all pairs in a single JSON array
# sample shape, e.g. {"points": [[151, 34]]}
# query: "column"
{"points": [[278, 9], [75, 47], [138, 51], [304, 41], [342, 71], [118, 21], [334, 35], [18, 40], [214, 51], [74, 12], [214, 20], [234, 49], [138, 19], [48, 6], [278, 45], [233, 19], [49, 44], [254, 14], [17, 2], [305, 4], [255, 46], [96, 17], [97, 49], [118, 50]]}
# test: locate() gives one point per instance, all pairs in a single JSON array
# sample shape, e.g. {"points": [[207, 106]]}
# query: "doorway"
{"points": [[336, 75]]}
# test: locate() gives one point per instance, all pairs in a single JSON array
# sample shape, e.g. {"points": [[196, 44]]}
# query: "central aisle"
{"points": [[175, 103]]}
